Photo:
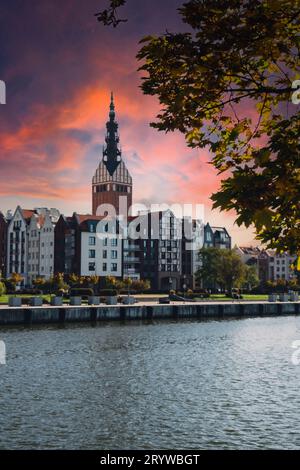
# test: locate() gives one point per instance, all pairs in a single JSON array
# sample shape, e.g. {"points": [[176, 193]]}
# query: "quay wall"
{"points": [[68, 314]]}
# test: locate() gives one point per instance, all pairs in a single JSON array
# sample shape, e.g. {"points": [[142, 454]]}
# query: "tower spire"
{"points": [[112, 152], [112, 114], [111, 179]]}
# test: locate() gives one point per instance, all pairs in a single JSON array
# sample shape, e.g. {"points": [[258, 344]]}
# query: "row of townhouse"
{"points": [[27, 243], [271, 266], [152, 245]]}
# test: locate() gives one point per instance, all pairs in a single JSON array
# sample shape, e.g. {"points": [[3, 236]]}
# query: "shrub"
{"points": [[30, 292], [61, 293], [10, 286], [108, 292], [2, 288], [82, 292]]}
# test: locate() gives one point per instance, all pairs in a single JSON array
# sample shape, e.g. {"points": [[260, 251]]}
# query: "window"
{"points": [[91, 266], [92, 254], [114, 254], [92, 240], [104, 267], [114, 267], [104, 254], [114, 242], [105, 242]]}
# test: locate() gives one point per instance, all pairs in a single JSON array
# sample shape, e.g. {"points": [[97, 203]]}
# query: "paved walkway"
{"points": [[151, 303]]}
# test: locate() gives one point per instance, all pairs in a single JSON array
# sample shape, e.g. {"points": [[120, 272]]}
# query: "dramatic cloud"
{"points": [[60, 65]]}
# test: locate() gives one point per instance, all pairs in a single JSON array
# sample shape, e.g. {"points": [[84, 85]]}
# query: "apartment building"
{"points": [[88, 245], [271, 266], [30, 243], [41, 243]]}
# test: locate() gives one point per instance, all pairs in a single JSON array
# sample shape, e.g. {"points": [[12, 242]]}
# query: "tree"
{"points": [[208, 273], [127, 283], [16, 278], [221, 268], [74, 279], [110, 16], [238, 54], [142, 285], [93, 280], [40, 283], [110, 282], [58, 283], [251, 277], [231, 270]]}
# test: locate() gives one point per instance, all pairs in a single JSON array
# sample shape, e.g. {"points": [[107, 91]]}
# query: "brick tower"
{"points": [[111, 179]]}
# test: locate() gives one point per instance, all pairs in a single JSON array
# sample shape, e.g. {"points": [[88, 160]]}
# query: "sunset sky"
{"points": [[59, 65]]}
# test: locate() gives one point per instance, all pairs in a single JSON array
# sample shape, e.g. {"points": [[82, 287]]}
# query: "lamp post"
{"points": [[170, 285]]}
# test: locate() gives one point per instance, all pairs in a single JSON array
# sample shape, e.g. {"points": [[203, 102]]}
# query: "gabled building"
{"points": [[208, 236], [41, 243], [3, 244], [221, 238], [30, 243], [111, 180], [65, 245], [280, 265], [271, 266], [17, 243], [161, 249]]}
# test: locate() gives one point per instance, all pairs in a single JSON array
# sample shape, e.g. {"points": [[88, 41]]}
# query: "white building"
{"points": [[30, 243], [41, 243], [17, 243], [280, 266], [271, 266], [100, 247]]}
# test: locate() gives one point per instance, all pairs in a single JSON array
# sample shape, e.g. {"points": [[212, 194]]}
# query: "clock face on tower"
{"points": [[111, 169]]}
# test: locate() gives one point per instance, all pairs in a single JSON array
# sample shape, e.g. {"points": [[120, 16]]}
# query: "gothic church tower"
{"points": [[111, 179]]}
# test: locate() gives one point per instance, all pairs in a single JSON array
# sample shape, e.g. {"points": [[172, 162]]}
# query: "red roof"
{"points": [[84, 217], [27, 213]]}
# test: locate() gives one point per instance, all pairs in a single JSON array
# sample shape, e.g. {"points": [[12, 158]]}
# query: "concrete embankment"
{"points": [[66, 314]]}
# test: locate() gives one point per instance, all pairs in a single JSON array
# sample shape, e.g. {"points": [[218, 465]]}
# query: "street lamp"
{"points": [[170, 285]]}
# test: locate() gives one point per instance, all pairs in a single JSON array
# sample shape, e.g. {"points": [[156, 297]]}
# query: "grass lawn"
{"points": [[245, 297], [222, 297], [4, 298]]}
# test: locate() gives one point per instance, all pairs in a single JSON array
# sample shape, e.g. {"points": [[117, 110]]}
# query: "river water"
{"points": [[185, 385]]}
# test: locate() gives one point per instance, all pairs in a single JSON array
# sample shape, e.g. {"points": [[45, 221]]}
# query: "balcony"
{"points": [[131, 247], [131, 259]]}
